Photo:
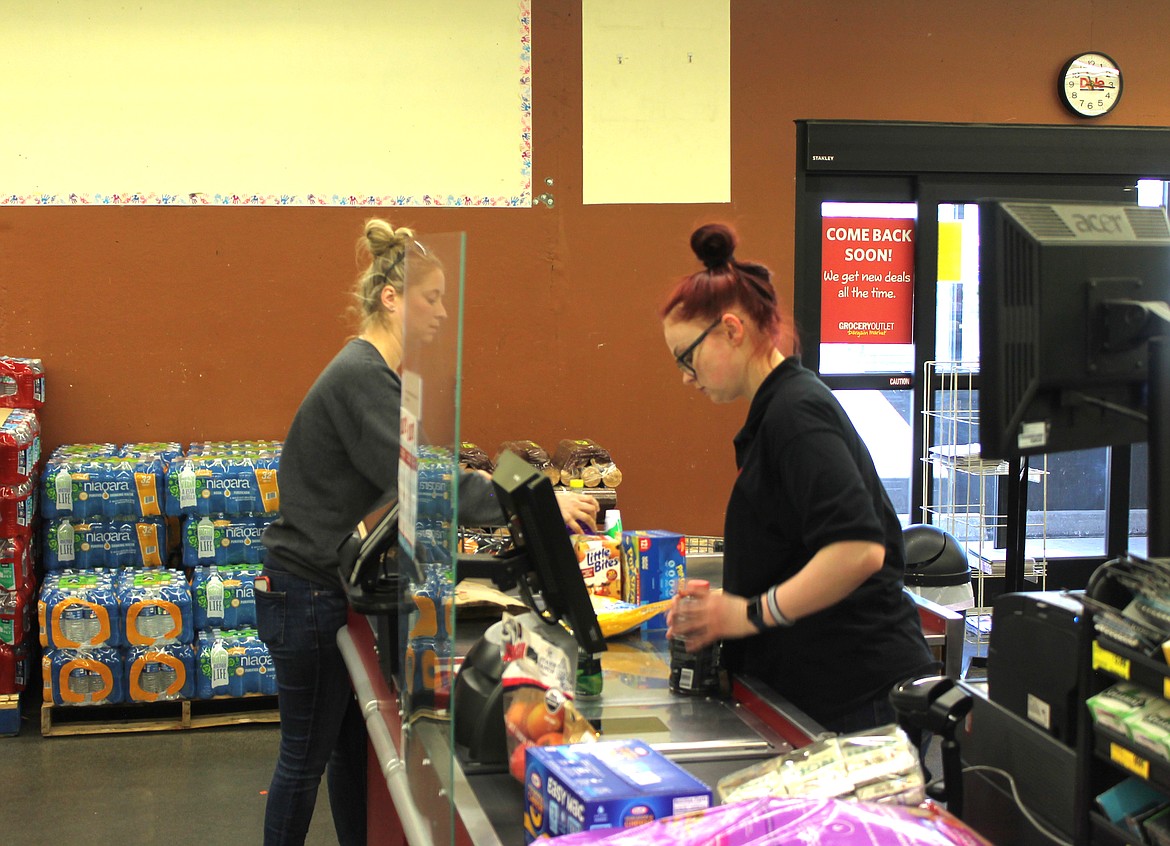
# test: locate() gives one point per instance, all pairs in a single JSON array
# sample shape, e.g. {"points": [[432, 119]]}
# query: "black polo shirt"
{"points": [[806, 480]]}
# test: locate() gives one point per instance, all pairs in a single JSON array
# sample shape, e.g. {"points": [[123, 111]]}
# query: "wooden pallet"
{"points": [[61, 720]]}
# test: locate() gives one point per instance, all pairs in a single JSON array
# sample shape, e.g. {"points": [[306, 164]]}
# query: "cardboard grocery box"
{"points": [[654, 563], [609, 784], [600, 560]]}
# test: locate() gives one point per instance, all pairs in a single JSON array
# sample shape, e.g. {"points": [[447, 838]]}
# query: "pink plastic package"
{"points": [[773, 821]]}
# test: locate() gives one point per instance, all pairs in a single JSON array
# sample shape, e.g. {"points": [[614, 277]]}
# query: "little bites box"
{"points": [[609, 784], [654, 563], [600, 560]]}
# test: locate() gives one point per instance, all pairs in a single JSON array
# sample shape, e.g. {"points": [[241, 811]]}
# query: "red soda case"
{"points": [[22, 382]]}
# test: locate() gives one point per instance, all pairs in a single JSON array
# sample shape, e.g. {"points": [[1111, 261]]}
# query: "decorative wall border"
{"points": [[521, 200]]}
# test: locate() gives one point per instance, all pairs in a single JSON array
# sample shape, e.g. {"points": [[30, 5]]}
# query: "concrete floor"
{"points": [[200, 786]]}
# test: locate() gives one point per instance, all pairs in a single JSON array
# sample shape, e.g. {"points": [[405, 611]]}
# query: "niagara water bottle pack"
{"points": [[232, 663], [155, 607], [224, 596], [160, 673], [91, 677], [102, 487], [102, 544], [80, 610], [202, 485], [223, 540]]}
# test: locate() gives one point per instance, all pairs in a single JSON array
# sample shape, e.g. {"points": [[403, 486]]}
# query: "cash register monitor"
{"points": [[549, 575], [1069, 294]]}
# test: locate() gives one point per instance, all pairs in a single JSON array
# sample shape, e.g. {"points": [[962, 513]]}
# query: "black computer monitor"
{"points": [[550, 569], [1063, 342]]}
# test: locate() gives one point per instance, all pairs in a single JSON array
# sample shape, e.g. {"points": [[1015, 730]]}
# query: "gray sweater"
{"points": [[340, 462]]}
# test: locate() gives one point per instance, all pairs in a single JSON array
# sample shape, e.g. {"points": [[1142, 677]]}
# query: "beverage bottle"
{"points": [[219, 666], [613, 524], [578, 487], [187, 486], [205, 539], [215, 595], [589, 677], [693, 673]]}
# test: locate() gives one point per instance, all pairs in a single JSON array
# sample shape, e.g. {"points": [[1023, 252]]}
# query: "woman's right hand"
{"points": [[579, 512]]}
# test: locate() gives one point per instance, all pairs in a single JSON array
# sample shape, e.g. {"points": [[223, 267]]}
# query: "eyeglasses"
{"points": [[685, 359]]}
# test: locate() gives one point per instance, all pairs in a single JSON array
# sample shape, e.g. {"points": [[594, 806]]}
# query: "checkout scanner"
{"points": [[544, 567], [541, 564], [368, 569]]}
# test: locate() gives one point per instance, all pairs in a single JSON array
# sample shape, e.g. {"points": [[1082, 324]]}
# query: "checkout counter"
{"points": [[422, 793]]}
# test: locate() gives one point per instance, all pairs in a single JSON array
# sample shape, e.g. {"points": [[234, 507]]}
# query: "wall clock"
{"points": [[1090, 84]]}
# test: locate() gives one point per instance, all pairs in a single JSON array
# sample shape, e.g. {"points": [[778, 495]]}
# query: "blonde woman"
{"points": [[340, 463]]}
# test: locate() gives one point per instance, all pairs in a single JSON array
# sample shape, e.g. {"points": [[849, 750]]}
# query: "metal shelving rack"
{"points": [[964, 493]]}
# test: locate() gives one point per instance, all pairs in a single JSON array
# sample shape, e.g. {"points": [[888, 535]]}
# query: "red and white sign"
{"points": [[867, 280]]}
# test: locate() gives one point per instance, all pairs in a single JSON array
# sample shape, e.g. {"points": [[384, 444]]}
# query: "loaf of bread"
{"points": [[534, 454], [585, 459], [471, 457]]}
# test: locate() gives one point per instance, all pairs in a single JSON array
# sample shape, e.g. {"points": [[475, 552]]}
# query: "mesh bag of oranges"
{"points": [[539, 677]]}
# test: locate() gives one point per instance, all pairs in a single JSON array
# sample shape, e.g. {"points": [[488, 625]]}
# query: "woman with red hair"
{"points": [[812, 601]]}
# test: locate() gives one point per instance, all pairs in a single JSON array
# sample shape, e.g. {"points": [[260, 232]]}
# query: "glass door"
{"points": [[853, 310], [866, 349]]}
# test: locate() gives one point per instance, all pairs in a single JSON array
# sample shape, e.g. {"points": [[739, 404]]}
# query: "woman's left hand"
{"points": [[579, 512]]}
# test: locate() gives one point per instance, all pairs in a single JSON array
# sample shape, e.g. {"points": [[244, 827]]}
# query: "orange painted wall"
{"points": [[189, 323]]}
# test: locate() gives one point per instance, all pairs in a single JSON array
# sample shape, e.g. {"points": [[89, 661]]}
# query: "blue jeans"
{"points": [[320, 723]]}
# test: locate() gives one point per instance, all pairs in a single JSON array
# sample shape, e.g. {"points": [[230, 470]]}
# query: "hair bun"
{"points": [[714, 244]]}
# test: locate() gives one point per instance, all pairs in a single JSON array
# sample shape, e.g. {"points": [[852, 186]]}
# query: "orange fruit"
{"points": [[516, 717], [541, 720], [516, 762]]}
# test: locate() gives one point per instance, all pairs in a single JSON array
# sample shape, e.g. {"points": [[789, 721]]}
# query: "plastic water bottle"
{"points": [[63, 489], [65, 541], [214, 587], [205, 538], [187, 486], [693, 673], [219, 665]]}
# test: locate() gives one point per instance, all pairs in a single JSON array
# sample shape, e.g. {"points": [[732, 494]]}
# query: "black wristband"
{"points": [[755, 614]]}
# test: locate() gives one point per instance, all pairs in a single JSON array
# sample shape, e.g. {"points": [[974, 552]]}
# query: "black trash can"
{"points": [[937, 567]]}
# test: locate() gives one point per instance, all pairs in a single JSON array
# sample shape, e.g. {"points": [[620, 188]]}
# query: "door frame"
{"points": [[933, 163]]}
